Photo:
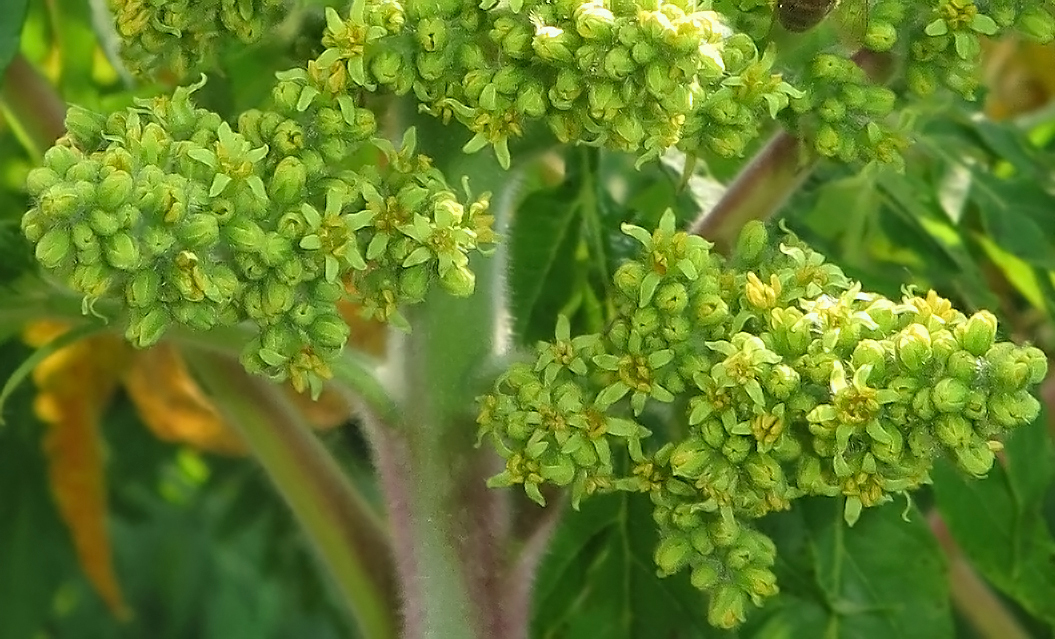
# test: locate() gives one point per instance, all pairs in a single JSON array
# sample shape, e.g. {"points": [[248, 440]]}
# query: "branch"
{"points": [[348, 537], [769, 179], [32, 105], [971, 597]]}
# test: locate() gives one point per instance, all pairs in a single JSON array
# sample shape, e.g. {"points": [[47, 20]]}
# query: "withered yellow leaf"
{"points": [[173, 406], [74, 386]]}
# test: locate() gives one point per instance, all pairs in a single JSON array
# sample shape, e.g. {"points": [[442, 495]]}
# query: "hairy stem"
{"points": [[758, 191], [347, 536], [454, 536]]}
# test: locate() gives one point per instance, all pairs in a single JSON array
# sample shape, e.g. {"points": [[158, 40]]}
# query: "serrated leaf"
{"points": [[998, 523], [599, 580], [838, 581]]}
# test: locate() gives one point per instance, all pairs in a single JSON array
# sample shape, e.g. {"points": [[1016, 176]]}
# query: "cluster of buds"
{"points": [[189, 221], [787, 381], [638, 76], [844, 115], [176, 36]]}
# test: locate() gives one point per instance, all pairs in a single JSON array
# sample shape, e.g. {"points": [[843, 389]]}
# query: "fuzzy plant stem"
{"points": [[347, 537], [452, 534]]}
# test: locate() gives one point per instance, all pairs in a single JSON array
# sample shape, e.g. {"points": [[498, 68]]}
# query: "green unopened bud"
{"points": [[553, 44], [40, 179], [244, 235], [200, 230], [84, 127], [880, 36], [142, 290], [459, 281], [704, 575], [53, 248], [122, 252], [288, 181], [414, 283], [673, 554], [950, 395], [913, 347], [146, 329], [593, 21], [953, 430], [1037, 23], [1011, 410], [1037, 362], [975, 458], [329, 331], [751, 242], [61, 159], [727, 607], [978, 334], [963, 366]]}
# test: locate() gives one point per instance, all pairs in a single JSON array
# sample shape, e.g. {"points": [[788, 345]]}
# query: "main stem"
{"points": [[452, 534]]}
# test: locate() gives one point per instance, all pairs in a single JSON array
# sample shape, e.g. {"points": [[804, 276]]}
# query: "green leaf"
{"points": [[1001, 206], [14, 14], [838, 581], [542, 241], [598, 580], [998, 522]]}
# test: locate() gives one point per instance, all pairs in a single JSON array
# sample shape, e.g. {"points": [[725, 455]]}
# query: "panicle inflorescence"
{"points": [[638, 76], [789, 381], [192, 221], [174, 36]]}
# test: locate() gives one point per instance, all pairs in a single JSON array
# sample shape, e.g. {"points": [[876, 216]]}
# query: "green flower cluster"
{"points": [[785, 380], [632, 75], [948, 50], [190, 221], [176, 36], [844, 115]]}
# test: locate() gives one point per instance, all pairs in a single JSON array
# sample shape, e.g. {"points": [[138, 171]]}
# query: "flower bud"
{"points": [[953, 430], [288, 181], [963, 366], [975, 458], [950, 395], [142, 289], [978, 334], [114, 190], [200, 230], [1011, 410], [673, 554], [244, 235], [53, 248], [122, 252], [40, 179], [751, 242], [914, 347], [84, 127], [145, 329], [704, 576], [727, 607], [553, 44], [329, 331]]}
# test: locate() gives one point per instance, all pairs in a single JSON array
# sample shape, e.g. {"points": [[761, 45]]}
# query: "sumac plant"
{"points": [[622, 367]]}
